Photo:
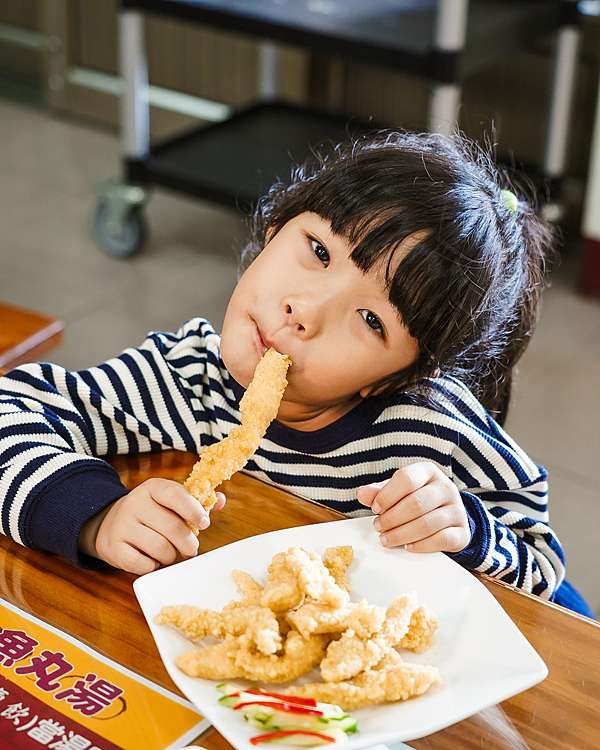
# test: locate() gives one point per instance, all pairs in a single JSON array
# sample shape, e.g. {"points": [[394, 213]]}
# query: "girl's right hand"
{"points": [[147, 528]]}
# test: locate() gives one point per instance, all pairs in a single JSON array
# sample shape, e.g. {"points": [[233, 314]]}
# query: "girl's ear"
{"points": [[269, 234], [370, 390]]}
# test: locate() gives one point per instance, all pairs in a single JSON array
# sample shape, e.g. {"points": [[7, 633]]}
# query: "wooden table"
{"points": [[562, 713], [25, 335]]}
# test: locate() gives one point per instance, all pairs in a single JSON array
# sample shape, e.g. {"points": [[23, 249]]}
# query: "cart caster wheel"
{"points": [[119, 236]]}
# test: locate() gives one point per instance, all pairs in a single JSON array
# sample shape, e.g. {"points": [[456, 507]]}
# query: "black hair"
{"points": [[468, 290]]}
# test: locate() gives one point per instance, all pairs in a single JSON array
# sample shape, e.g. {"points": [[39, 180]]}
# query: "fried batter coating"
{"points": [[398, 618], [215, 662], [249, 589], [366, 619], [258, 408], [352, 654], [337, 560], [363, 618], [281, 592], [192, 622], [297, 574], [420, 631], [260, 403], [303, 618], [300, 655], [397, 682], [259, 624], [317, 618]]}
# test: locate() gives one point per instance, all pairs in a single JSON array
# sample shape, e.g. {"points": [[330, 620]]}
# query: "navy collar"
{"points": [[345, 429]]}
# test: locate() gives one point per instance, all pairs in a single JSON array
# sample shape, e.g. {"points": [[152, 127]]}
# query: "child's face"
{"points": [[304, 296]]}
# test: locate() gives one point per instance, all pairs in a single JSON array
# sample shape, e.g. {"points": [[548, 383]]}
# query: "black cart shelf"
{"points": [[234, 161]]}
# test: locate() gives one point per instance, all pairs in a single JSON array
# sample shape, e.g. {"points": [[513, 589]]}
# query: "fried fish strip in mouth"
{"points": [[396, 682], [258, 408], [258, 624]]}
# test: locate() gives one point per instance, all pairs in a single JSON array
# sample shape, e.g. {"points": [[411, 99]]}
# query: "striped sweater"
{"points": [[175, 392]]}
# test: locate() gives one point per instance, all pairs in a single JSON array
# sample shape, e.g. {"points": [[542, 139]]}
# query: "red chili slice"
{"points": [[289, 708], [286, 698], [288, 733]]}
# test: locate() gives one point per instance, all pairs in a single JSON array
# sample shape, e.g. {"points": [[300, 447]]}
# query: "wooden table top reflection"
{"points": [[25, 335], [100, 608]]}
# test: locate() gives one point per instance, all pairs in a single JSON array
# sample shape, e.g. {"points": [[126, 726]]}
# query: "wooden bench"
{"points": [[25, 335]]}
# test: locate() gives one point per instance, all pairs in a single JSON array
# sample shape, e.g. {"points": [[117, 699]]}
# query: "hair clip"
{"points": [[510, 200]]}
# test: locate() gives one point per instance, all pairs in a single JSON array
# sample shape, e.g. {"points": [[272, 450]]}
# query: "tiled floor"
{"points": [[48, 261]]}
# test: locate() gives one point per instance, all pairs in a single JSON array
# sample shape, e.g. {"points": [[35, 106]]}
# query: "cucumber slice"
{"points": [[273, 719]]}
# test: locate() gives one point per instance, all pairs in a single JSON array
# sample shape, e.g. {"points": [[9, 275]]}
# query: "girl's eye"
{"points": [[372, 321], [321, 252]]}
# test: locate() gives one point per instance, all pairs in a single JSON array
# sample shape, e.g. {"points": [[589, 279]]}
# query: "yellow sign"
{"points": [[58, 693]]}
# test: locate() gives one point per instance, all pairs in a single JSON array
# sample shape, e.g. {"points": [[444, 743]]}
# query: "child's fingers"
{"points": [[174, 496], [366, 494], [403, 482], [419, 529], [415, 505], [149, 542], [170, 526], [221, 500], [132, 560], [451, 539]]}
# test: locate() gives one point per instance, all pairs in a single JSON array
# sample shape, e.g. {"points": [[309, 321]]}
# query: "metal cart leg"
{"points": [[450, 33], [119, 225], [268, 71], [134, 96], [563, 87], [589, 279]]}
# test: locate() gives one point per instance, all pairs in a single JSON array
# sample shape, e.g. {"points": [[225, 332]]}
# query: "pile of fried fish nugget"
{"points": [[303, 618]]}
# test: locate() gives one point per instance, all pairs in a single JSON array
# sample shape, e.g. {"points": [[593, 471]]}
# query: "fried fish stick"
{"points": [[297, 574], [212, 662], [299, 656], [420, 631], [352, 654], [337, 560], [258, 623], [247, 587], [258, 408], [363, 618], [398, 682], [192, 622]]}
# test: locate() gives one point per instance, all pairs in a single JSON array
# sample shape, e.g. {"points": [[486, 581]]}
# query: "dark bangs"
{"points": [[467, 290]]}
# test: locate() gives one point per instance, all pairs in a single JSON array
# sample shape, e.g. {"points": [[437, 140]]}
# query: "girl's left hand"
{"points": [[419, 509]]}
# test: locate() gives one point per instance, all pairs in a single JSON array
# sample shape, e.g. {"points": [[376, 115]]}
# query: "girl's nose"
{"points": [[301, 316]]}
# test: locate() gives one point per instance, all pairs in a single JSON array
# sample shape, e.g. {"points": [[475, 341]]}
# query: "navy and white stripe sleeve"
{"points": [[505, 495], [55, 424]]}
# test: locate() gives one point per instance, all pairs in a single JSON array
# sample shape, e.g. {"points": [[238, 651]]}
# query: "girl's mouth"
{"points": [[261, 344]]}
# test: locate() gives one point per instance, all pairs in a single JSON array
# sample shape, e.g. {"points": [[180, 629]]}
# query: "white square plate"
{"points": [[482, 656]]}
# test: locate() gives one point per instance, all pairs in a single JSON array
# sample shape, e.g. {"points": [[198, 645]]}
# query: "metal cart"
{"points": [[232, 162]]}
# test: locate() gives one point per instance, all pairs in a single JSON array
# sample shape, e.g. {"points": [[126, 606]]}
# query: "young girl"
{"points": [[403, 281]]}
